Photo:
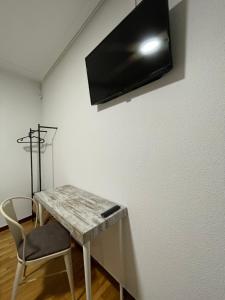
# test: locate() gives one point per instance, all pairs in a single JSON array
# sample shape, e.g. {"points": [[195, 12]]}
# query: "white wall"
{"points": [[158, 150], [20, 109]]}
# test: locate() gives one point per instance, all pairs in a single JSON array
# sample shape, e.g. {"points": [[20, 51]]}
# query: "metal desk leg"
{"points": [[121, 292], [121, 258], [87, 269], [40, 211]]}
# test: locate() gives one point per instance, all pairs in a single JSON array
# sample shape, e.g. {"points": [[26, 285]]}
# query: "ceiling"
{"points": [[33, 33]]}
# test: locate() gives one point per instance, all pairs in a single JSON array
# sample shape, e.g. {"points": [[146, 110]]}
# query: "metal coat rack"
{"points": [[33, 139]]}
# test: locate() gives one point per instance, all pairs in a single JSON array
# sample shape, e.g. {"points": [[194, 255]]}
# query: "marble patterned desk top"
{"points": [[79, 211]]}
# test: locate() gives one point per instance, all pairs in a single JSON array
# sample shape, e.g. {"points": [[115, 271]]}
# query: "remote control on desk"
{"points": [[110, 211]]}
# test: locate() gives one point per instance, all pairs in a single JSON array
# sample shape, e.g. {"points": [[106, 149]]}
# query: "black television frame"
{"points": [[153, 76]]}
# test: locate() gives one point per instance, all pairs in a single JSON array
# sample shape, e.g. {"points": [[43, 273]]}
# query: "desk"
{"points": [[80, 213]]}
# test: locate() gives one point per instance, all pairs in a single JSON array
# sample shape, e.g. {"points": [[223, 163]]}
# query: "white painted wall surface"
{"points": [[158, 150], [20, 108]]}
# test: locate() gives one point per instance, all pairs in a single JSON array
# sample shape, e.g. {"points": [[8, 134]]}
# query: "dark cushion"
{"points": [[45, 240]]}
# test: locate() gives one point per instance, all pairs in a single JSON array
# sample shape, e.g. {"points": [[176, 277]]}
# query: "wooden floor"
{"points": [[56, 286]]}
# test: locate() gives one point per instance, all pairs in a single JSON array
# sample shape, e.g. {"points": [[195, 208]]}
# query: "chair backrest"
{"points": [[8, 212]]}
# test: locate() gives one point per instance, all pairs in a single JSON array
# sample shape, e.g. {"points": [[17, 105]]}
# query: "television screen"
{"points": [[135, 53]]}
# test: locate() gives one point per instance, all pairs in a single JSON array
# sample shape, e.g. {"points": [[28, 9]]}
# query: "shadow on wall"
{"points": [[129, 261], [114, 250], [178, 25], [50, 161]]}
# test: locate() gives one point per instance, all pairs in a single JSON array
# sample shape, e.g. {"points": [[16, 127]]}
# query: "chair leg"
{"points": [[17, 280], [69, 269], [24, 272]]}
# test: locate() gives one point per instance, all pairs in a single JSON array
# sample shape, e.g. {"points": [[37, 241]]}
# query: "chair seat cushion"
{"points": [[45, 240]]}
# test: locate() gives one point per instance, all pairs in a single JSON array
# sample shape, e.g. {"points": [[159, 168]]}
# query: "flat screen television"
{"points": [[135, 53]]}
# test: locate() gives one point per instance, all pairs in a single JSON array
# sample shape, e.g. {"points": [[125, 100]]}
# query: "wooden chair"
{"points": [[41, 244]]}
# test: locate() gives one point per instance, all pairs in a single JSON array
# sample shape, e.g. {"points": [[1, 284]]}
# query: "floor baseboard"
{"points": [[127, 295], [20, 221]]}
